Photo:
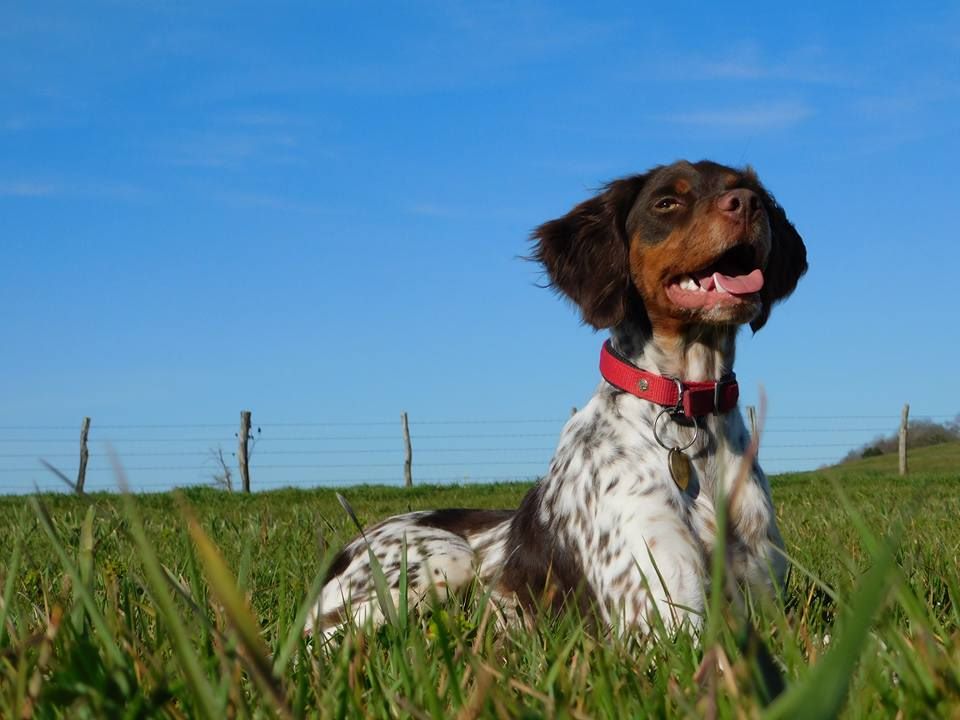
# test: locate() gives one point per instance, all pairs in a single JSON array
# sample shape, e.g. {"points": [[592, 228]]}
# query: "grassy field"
{"points": [[188, 607]]}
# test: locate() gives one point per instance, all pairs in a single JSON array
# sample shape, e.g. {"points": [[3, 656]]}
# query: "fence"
{"points": [[263, 455]]}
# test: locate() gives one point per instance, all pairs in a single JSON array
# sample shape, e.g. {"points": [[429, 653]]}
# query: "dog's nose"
{"points": [[739, 204]]}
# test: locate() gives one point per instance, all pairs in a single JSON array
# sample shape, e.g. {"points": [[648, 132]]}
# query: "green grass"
{"points": [[159, 607]]}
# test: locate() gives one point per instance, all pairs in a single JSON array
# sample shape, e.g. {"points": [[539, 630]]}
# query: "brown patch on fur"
{"points": [[682, 187], [585, 253], [787, 262], [688, 248], [540, 569], [330, 619], [465, 522], [341, 562]]}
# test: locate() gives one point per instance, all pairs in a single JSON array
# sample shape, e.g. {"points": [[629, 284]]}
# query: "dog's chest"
{"points": [[609, 495]]}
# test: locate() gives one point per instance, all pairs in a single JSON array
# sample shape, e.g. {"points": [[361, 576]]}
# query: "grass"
{"points": [[190, 606]]}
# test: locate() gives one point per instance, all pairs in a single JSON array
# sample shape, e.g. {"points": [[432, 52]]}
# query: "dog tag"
{"points": [[679, 465]]}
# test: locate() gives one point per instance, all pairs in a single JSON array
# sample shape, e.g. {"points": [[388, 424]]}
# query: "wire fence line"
{"points": [[158, 456]]}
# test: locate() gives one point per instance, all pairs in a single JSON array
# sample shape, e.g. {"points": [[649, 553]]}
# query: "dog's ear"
{"points": [[586, 253], [787, 263]]}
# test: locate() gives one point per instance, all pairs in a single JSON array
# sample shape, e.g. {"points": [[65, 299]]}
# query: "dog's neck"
{"points": [[695, 354]]}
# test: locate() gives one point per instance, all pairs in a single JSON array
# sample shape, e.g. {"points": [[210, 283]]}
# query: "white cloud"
{"points": [[270, 201], [751, 117], [24, 189], [443, 211], [60, 188], [431, 209], [231, 149], [808, 65]]}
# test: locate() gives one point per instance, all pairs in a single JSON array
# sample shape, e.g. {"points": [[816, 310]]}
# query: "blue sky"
{"points": [[316, 211]]}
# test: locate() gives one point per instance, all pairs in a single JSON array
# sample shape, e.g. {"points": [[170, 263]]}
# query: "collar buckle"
{"points": [[718, 390]]}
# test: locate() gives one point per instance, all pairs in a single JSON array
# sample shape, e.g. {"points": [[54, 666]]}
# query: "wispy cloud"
{"points": [[442, 211], [15, 123], [767, 116], [269, 201], [807, 65], [272, 119], [449, 45], [901, 113], [27, 189], [230, 150], [255, 136], [62, 188], [431, 210], [905, 99]]}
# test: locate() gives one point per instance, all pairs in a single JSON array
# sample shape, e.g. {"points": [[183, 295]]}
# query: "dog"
{"points": [[672, 261]]}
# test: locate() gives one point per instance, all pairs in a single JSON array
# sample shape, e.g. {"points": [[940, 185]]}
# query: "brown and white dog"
{"points": [[673, 262]]}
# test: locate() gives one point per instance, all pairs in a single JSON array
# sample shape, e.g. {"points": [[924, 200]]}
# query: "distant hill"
{"points": [[921, 433], [944, 457]]}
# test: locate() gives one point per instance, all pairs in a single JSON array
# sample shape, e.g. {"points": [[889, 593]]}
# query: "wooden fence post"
{"points": [[82, 470], [242, 457], [903, 438], [408, 452]]}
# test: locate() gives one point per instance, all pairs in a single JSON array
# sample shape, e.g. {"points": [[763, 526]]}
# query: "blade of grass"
{"points": [[85, 564], [292, 640], [13, 567], [560, 662], [656, 620], [404, 610], [715, 604], [905, 595], [796, 565], [96, 617], [197, 681], [224, 586], [85, 556], [823, 692], [384, 599], [56, 471]]}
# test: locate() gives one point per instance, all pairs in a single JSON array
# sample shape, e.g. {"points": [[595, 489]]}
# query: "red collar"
{"points": [[692, 399]]}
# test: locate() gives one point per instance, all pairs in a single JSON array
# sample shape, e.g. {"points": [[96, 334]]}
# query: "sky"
{"points": [[318, 212]]}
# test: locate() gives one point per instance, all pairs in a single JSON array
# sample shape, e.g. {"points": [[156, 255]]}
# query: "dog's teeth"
{"points": [[720, 288], [688, 283]]}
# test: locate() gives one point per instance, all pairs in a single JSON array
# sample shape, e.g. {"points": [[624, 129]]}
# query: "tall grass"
{"points": [[191, 605]]}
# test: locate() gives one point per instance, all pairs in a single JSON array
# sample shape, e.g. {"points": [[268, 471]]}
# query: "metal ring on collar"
{"points": [[656, 436], [679, 405]]}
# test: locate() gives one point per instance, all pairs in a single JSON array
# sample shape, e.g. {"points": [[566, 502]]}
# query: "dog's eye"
{"points": [[667, 203]]}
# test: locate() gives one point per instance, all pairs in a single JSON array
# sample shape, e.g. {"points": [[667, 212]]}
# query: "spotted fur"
{"points": [[606, 527]]}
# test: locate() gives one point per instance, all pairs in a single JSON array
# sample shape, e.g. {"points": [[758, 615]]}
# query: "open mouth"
{"points": [[732, 278]]}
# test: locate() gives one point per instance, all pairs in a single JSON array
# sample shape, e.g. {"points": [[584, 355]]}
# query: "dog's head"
{"points": [[681, 244]]}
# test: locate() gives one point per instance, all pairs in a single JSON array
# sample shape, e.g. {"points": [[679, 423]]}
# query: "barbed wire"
{"points": [[459, 460], [369, 451], [338, 451], [337, 466], [452, 421], [349, 438], [303, 485]]}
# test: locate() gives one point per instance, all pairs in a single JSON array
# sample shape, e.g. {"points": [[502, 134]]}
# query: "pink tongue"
{"points": [[737, 284]]}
